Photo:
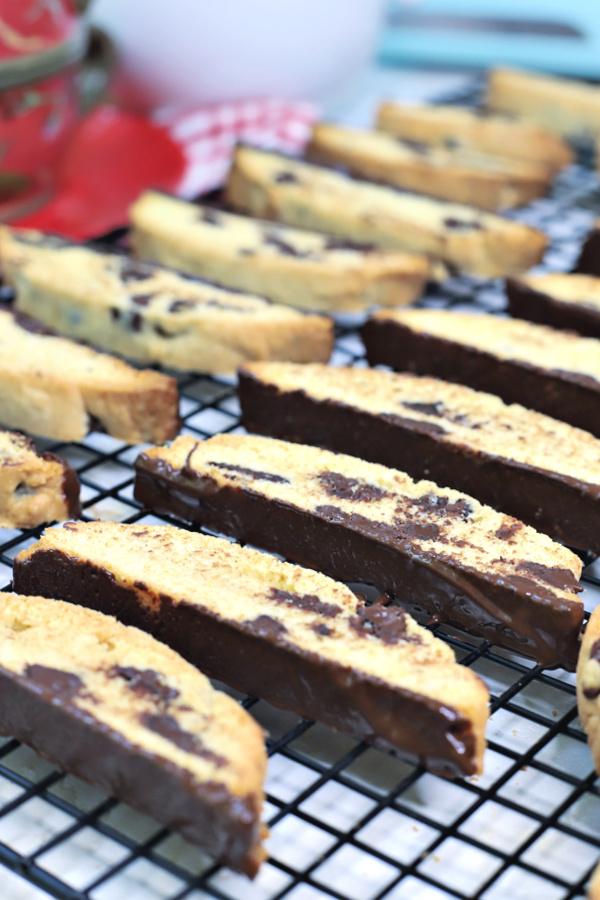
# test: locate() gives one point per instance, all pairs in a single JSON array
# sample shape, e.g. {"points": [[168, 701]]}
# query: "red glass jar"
{"points": [[41, 44]]}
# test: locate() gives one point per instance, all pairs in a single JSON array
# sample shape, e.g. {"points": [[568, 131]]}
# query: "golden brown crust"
{"points": [[475, 129], [459, 176], [57, 388], [313, 197], [34, 488], [299, 268]]}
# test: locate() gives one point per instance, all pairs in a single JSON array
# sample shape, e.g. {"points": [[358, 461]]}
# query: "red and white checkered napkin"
{"points": [[208, 135]]}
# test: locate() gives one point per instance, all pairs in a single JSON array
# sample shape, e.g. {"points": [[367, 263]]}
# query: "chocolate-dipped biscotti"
{"points": [[555, 372], [122, 711], [492, 134], [535, 468], [57, 388], [289, 635], [272, 186], [588, 262], [34, 487], [454, 174], [299, 268], [433, 548], [558, 299], [153, 315], [562, 105]]}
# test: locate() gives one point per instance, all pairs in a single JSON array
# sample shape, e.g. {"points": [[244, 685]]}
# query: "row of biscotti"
{"points": [[119, 709], [503, 154]]}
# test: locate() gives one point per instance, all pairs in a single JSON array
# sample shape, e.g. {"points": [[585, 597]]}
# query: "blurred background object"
{"points": [[189, 52], [540, 34]]}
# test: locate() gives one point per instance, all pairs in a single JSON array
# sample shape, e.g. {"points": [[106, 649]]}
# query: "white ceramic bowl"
{"points": [[187, 52]]}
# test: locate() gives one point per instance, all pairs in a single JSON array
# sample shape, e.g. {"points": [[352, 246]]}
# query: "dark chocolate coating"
{"points": [[524, 302], [515, 613], [261, 663], [227, 827], [70, 486], [566, 509], [589, 259], [572, 397]]}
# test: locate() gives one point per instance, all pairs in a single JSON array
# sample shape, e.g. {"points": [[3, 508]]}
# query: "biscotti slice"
{"points": [[540, 470], [34, 487], [274, 630], [431, 547], [153, 315], [115, 707], [55, 387], [272, 186], [299, 268], [456, 127], [555, 372], [458, 175], [558, 299], [589, 258], [588, 684], [562, 105]]}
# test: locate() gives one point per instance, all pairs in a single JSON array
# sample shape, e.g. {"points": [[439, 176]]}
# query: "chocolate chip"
{"points": [[428, 531], [310, 602], [387, 623], [458, 225], [177, 305], [275, 241], [419, 147], [506, 532], [145, 682], [169, 728], [334, 243], [434, 503], [115, 313], [428, 409], [141, 299], [131, 270], [250, 473], [136, 322], [265, 627], [65, 685], [285, 178], [337, 485], [321, 628], [563, 579], [210, 216]]}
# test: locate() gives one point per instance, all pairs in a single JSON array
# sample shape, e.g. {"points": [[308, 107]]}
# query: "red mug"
{"points": [[42, 45]]}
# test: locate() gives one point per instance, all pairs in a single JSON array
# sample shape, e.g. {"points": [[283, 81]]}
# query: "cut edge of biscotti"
{"points": [[301, 194], [454, 174], [491, 133], [35, 488], [73, 679], [311, 617], [151, 314], [301, 268], [560, 353], [58, 388], [447, 531], [588, 685]]}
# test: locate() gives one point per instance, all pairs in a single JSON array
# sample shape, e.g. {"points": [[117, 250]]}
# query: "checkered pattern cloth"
{"points": [[208, 135]]}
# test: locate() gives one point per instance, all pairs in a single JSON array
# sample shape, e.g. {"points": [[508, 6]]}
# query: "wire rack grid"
{"points": [[346, 821]]}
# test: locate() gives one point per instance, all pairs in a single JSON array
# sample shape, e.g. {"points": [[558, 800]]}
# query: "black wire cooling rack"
{"points": [[347, 821]]}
